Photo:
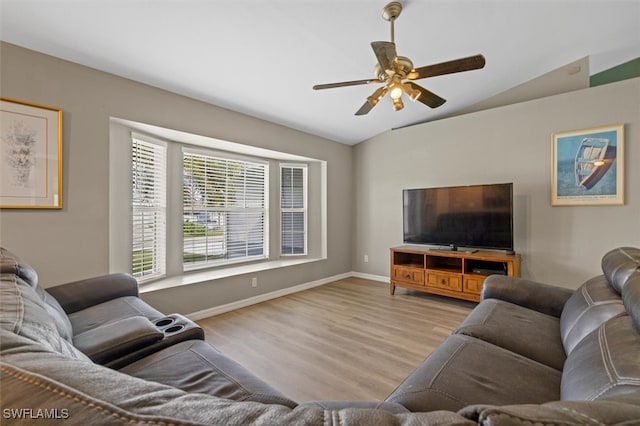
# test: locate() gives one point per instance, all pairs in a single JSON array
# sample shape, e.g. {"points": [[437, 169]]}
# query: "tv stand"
{"points": [[448, 273]]}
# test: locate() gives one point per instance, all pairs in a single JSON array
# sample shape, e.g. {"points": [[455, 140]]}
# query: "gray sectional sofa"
{"points": [[92, 352]]}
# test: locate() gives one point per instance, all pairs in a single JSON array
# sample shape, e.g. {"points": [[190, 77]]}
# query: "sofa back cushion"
{"points": [[12, 265], [605, 363], [590, 306], [23, 312]]}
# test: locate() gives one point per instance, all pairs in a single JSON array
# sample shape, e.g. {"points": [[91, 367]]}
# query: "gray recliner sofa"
{"points": [[529, 353]]}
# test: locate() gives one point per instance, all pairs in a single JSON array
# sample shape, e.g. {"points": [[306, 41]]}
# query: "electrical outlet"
{"points": [[254, 282], [366, 258]]}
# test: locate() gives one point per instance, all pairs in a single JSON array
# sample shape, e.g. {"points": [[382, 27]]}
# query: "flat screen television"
{"points": [[474, 216]]}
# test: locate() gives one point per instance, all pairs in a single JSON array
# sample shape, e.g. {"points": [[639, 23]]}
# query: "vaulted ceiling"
{"points": [[263, 57]]}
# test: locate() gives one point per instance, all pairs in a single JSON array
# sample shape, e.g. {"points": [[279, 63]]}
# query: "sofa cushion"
{"points": [[524, 331], [620, 264], [590, 306], [112, 310], [23, 313], [195, 366], [464, 370], [605, 363]]}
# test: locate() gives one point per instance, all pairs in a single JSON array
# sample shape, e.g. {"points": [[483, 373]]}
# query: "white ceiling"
{"points": [[262, 57]]}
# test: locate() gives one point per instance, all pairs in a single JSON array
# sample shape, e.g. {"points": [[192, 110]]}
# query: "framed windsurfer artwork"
{"points": [[587, 167]]}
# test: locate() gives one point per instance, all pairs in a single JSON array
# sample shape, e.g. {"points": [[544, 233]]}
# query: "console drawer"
{"points": [[473, 285], [445, 281], [409, 275]]}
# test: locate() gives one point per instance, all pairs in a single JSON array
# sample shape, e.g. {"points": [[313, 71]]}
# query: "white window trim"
{"points": [[185, 149], [120, 231]]}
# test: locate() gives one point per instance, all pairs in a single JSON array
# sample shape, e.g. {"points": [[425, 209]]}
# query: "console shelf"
{"points": [[448, 273]]}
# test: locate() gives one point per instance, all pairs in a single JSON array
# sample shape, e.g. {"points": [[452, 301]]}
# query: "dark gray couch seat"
{"points": [[464, 371], [194, 366], [524, 331]]}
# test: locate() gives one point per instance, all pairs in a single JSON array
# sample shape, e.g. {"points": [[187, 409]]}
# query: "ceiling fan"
{"points": [[397, 72]]}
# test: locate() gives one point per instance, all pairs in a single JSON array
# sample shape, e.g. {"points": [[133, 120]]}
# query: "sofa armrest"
{"points": [[82, 294], [116, 339], [540, 297]]}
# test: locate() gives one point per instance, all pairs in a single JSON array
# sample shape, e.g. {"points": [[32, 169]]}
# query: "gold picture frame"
{"points": [[587, 167], [30, 155]]}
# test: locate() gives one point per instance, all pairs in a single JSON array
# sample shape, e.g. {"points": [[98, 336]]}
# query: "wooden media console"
{"points": [[456, 274]]}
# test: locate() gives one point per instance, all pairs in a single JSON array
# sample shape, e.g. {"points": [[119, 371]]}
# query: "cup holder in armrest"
{"points": [[164, 322], [176, 325], [173, 329]]}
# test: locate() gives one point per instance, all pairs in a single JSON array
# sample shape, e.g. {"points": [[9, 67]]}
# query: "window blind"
{"points": [[224, 209], [149, 208], [293, 209]]}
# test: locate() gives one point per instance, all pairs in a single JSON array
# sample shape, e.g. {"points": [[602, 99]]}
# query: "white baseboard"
{"points": [[371, 277], [217, 310]]}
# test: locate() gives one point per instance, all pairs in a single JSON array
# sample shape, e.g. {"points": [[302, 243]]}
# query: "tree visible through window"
{"points": [[224, 209]]}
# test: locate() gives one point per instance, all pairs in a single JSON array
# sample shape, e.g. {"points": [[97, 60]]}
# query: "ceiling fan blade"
{"points": [[385, 52], [427, 97], [372, 100], [449, 67], [345, 83]]}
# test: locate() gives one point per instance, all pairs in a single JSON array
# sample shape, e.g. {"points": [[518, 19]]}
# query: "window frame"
{"points": [[304, 209], [158, 207], [224, 156]]}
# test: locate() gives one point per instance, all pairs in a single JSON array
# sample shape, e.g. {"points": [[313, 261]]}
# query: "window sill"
{"points": [[201, 276]]}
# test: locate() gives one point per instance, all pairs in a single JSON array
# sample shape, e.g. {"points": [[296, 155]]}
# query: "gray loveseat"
{"points": [[92, 352]]}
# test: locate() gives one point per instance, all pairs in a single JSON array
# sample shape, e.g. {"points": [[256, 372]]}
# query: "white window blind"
{"points": [[224, 209], [293, 209], [149, 207]]}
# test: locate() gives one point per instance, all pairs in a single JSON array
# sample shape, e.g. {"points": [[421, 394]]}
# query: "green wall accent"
{"points": [[624, 71]]}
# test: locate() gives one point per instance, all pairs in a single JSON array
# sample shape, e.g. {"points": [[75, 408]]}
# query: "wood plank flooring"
{"points": [[345, 340]]}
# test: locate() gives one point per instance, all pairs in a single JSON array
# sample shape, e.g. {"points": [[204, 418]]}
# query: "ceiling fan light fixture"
{"points": [[397, 104], [396, 92]]}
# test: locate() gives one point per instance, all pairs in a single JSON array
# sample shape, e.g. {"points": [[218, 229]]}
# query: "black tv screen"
{"points": [[475, 216]]}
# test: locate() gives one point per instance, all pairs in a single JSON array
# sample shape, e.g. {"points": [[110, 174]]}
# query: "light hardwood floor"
{"points": [[345, 340]]}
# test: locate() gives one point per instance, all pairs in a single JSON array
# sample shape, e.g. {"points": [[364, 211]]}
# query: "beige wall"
{"points": [[561, 245], [73, 243]]}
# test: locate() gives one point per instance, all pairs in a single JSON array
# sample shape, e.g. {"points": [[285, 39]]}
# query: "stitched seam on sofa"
{"points": [[579, 414], [490, 313], [25, 377], [447, 362], [587, 310], [126, 300], [18, 304], [206, 361], [614, 377], [445, 394]]}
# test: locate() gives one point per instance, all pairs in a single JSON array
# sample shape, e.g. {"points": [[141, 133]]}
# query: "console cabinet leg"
{"points": [[392, 289]]}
